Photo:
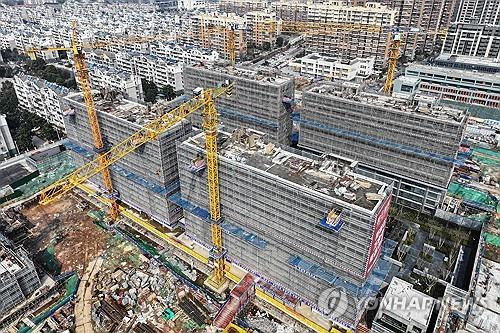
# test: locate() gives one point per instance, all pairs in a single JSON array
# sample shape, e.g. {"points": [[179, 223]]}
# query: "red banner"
{"points": [[378, 235]]}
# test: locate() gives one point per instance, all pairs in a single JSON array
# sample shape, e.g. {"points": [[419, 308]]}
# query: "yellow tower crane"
{"points": [[228, 34], [394, 35], [150, 132], [76, 48]]}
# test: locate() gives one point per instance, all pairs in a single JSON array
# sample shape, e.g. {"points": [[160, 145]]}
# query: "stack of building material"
{"points": [[240, 296]]}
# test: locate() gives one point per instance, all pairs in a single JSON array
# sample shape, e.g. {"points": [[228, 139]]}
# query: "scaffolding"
{"points": [[272, 211], [257, 100]]}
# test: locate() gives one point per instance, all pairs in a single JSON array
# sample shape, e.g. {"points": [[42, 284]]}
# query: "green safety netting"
{"points": [[487, 156], [470, 194], [71, 286], [51, 170], [492, 239]]}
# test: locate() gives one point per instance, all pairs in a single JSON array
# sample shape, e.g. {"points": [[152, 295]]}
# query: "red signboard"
{"points": [[378, 235]]}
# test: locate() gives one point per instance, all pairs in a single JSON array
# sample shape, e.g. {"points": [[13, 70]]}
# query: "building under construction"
{"points": [[18, 277], [144, 178], [413, 143], [303, 224], [261, 99]]}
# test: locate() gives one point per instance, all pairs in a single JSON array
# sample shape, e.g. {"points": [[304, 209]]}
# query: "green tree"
{"points": [[150, 91], [279, 41], [168, 92], [23, 123]]}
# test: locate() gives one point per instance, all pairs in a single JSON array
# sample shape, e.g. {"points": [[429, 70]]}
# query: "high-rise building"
{"points": [[350, 44], [412, 143], [7, 146], [143, 179], [475, 40], [430, 16], [478, 12], [261, 99], [211, 30], [476, 30], [18, 276], [303, 224], [40, 97]]}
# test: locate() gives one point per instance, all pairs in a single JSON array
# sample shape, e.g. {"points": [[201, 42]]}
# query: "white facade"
{"points": [[7, 146], [161, 71], [184, 53], [7, 41], [40, 97], [403, 309], [110, 78], [321, 66]]}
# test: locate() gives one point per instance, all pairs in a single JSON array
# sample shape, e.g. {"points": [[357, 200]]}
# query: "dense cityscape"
{"points": [[250, 166]]}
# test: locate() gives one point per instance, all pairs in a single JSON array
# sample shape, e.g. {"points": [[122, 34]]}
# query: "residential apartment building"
{"points": [[302, 224], [184, 53], [18, 276], [410, 143], [323, 66], [478, 12], [261, 99], [294, 10], [476, 30], [259, 32], [7, 41], [344, 44], [241, 7], [431, 16], [108, 78], [161, 71], [40, 97], [473, 40], [479, 92], [7, 146], [212, 31]]}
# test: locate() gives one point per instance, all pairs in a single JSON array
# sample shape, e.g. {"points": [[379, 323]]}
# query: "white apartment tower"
{"points": [[40, 97]]}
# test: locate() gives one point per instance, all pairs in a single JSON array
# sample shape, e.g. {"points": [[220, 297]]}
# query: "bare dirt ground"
{"points": [[76, 238]]}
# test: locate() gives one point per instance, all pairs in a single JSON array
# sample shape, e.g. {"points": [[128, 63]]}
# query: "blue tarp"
{"points": [[371, 286], [247, 118], [150, 185]]}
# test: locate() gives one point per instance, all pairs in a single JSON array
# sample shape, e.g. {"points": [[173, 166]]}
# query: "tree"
{"points": [[430, 281], [21, 123], [279, 41], [168, 92], [150, 91]]}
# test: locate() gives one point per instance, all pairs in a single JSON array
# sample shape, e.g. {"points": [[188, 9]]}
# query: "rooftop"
{"points": [[119, 107], [489, 77], [329, 175], [261, 74], [474, 61], [407, 303], [352, 91], [485, 314]]}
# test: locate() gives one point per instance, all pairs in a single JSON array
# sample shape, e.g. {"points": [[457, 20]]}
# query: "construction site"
{"points": [[253, 200], [412, 143]]}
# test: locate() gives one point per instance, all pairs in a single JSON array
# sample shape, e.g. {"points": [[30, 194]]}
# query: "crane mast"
{"points": [[210, 128], [83, 75]]}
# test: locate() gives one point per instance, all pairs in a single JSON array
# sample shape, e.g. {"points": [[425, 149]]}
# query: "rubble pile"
{"points": [[130, 295]]}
